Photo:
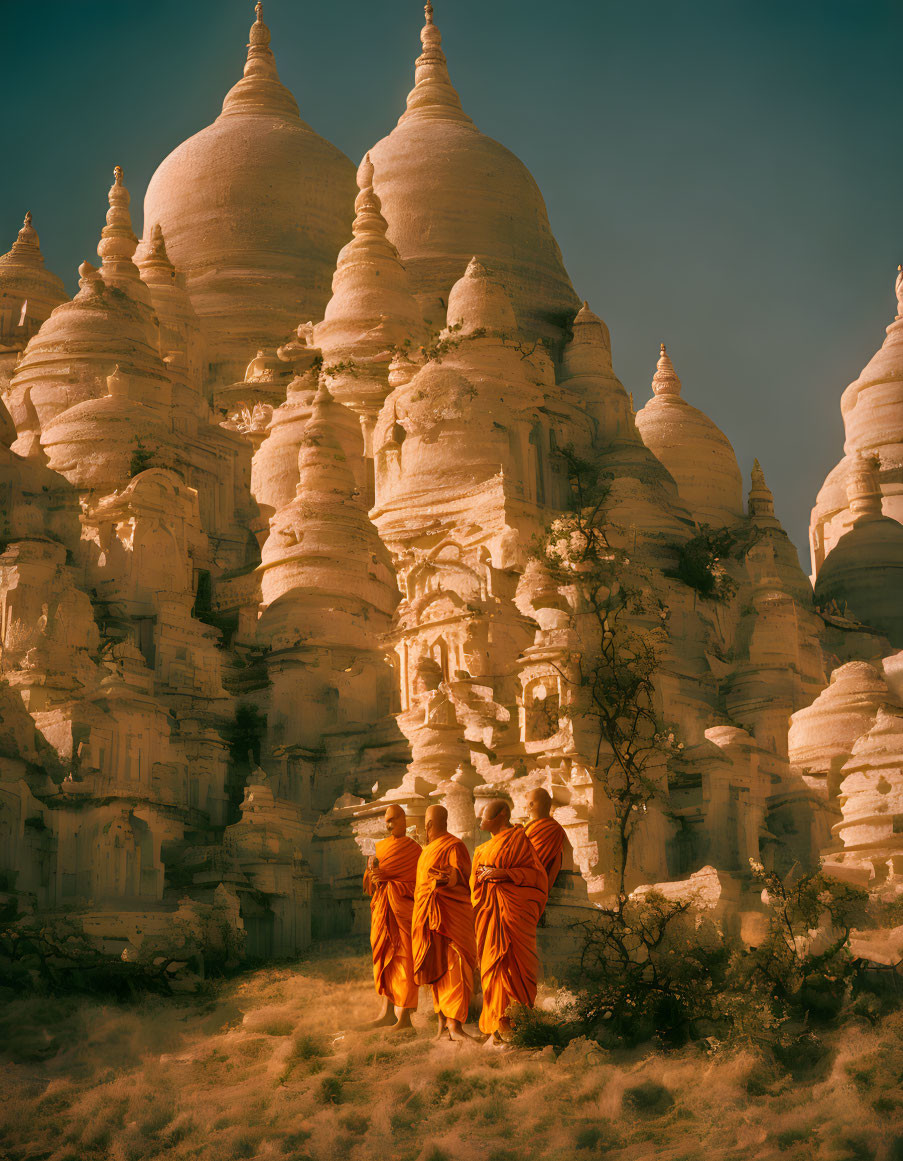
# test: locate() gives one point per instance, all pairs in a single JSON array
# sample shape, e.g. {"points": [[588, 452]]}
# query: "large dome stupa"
{"points": [[449, 192], [863, 572], [872, 408], [693, 448], [28, 290], [253, 210]]}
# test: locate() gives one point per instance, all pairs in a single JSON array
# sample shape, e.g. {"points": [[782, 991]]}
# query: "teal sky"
{"points": [[723, 175]]}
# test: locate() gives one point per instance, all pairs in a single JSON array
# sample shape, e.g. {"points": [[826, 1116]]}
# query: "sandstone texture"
{"points": [[272, 487]]}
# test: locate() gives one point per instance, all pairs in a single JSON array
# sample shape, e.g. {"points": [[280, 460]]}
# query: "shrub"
{"points": [[599, 1136], [330, 1091], [645, 972], [656, 968], [700, 562], [534, 1028], [649, 1098]]}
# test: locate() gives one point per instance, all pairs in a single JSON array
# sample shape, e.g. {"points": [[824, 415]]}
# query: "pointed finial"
{"points": [[155, 265], [365, 174], [665, 380], [26, 245], [260, 89], [323, 396], [367, 206], [433, 94], [585, 315], [761, 500], [118, 243], [587, 330]]}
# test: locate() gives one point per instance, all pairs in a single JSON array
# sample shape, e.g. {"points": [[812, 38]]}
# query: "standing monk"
{"points": [[442, 934], [509, 888], [547, 836], [389, 880]]}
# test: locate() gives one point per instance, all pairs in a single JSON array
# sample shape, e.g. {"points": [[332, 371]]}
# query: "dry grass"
{"points": [[266, 1066]]}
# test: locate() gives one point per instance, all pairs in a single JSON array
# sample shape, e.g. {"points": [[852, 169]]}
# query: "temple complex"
{"points": [[275, 487]]}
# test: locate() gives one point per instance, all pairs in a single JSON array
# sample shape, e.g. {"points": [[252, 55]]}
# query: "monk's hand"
{"points": [[488, 874], [442, 875]]}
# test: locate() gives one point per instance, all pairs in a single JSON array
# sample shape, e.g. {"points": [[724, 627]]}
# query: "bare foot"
{"points": [[404, 1020], [456, 1032], [385, 1019], [443, 1029]]}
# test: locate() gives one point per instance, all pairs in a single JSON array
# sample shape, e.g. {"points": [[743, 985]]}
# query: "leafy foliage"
{"points": [[660, 969], [142, 457], [701, 560], [804, 964], [621, 626]]}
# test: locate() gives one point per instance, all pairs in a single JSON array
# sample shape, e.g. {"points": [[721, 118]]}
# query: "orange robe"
{"points": [[391, 906], [506, 916], [442, 933], [548, 839]]}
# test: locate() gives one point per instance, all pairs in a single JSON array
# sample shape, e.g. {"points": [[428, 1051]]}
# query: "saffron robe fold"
{"points": [[547, 838], [506, 914], [391, 907], [443, 940]]}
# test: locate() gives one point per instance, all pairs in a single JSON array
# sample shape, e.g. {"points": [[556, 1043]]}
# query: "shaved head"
{"points": [[435, 821], [539, 803], [396, 820], [496, 816], [494, 808], [438, 814]]}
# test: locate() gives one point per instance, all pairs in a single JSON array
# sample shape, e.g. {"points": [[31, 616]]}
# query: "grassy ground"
{"points": [[264, 1066]]}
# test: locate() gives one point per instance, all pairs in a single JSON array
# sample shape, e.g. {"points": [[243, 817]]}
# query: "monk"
{"points": [[442, 932], [548, 837], [509, 888], [389, 880]]}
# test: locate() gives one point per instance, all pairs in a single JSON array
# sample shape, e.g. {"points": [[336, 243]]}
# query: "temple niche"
{"points": [[273, 484]]}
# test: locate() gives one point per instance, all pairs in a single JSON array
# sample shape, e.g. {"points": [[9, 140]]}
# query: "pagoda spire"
{"points": [[367, 206], [433, 94], [118, 242], [26, 250], [665, 381], [761, 498], [260, 62], [260, 90], [155, 265], [322, 464], [372, 312]]}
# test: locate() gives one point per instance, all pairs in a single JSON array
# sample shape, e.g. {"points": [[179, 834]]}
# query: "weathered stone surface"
{"points": [[872, 408], [268, 558], [254, 209]]}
